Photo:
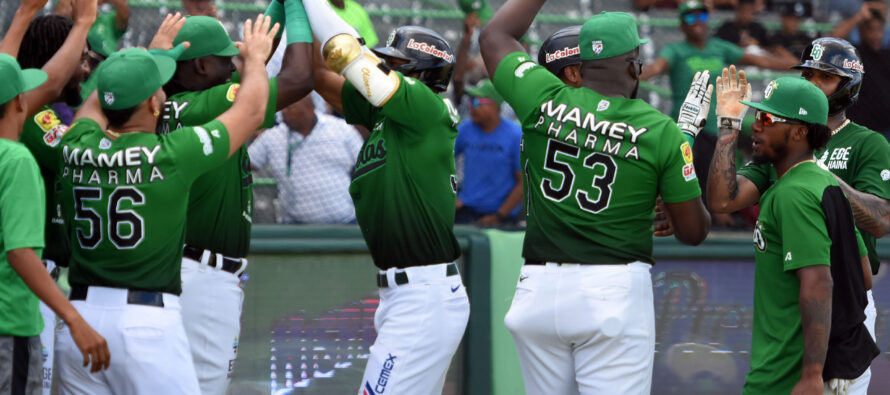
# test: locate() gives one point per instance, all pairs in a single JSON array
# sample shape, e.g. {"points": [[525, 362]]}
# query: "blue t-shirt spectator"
{"points": [[490, 163]]}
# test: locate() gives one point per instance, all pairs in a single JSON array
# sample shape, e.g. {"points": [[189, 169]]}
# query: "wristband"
{"points": [[730, 122], [298, 30], [275, 11]]}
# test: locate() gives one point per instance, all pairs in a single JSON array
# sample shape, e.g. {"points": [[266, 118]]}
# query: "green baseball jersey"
{"points": [[21, 226], [593, 166], [41, 132], [791, 233], [105, 34], [857, 155], [125, 200], [404, 184], [684, 60], [220, 201]]}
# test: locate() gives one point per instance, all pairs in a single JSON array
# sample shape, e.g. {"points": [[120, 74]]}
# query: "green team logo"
{"points": [[816, 53], [770, 88], [371, 157], [759, 240]]}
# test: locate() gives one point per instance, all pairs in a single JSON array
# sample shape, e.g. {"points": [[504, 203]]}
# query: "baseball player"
{"points": [[122, 193], [56, 44], [594, 160], [809, 289], [561, 55], [23, 279], [404, 194], [856, 155], [221, 200]]}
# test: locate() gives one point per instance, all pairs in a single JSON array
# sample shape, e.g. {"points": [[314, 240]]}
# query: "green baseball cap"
{"points": [[15, 80], [207, 36], [480, 7], [609, 34], [485, 89], [131, 76], [794, 98], [689, 6]]}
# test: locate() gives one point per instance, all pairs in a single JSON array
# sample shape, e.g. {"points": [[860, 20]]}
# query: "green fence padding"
{"points": [[506, 253]]}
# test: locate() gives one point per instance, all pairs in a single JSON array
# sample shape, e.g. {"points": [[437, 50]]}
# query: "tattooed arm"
{"points": [[728, 191], [872, 213], [815, 314]]}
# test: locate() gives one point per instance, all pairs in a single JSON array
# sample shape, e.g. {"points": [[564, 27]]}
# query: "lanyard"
{"points": [[291, 146]]}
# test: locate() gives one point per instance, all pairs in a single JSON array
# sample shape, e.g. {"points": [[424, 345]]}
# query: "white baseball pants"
{"points": [[419, 327], [48, 337], [211, 311], [860, 385], [149, 351], [584, 329]]}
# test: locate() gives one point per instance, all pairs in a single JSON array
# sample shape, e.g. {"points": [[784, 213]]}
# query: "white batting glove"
{"points": [[694, 111], [840, 386]]}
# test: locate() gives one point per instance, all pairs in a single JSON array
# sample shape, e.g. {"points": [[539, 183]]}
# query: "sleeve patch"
{"points": [[205, 139], [689, 172], [47, 120], [687, 153], [232, 92], [52, 137], [523, 67]]}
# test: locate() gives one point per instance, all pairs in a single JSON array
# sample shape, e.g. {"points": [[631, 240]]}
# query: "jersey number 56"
{"points": [[126, 228]]}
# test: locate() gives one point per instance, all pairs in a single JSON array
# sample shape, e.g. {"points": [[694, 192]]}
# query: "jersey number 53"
{"points": [[593, 197]]}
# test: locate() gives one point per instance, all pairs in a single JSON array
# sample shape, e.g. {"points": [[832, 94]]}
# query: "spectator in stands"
{"points": [[357, 17], [462, 62], [743, 30], [700, 52], [199, 7], [492, 182], [311, 156], [872, 107], [790, 41], [850, 29]]}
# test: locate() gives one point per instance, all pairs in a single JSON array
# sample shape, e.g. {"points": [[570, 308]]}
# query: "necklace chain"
{"points": [[845, 123]]}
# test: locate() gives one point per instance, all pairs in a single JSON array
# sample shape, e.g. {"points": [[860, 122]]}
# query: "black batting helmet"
{"points": [[426, 52], [560, 49], [838, 57]]}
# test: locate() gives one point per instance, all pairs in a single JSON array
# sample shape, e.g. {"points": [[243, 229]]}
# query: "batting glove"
{"points": [[694, 111]]}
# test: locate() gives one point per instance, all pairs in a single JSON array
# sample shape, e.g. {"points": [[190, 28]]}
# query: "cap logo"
{"points": [[109, 98], [562, 53], [854, 65], [802, 111], [770, 89], [816, 53], [430, 50], [597, 46]]}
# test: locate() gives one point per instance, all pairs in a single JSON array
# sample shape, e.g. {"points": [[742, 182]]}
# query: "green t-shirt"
{"points": [[356, 16], [684, 60], [21, 226], [404, 182], [856, 154], [593, 166], [105, 34], [126, 200], [790, 234], [43, 131], [220, 201]]}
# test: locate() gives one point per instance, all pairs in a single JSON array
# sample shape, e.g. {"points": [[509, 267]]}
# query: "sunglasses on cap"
{"points": [[693, 17], [768, 119], [478, 101]]}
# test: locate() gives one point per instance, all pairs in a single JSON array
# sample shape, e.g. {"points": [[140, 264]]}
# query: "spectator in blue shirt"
{"points": [[492, 183]]}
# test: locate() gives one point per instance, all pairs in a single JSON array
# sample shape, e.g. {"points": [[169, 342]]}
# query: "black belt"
{"points": [[134, 296], [542, 263], [402, 277], [230, 265]]}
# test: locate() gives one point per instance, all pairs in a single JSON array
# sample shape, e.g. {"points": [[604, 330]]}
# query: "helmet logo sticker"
{"points": [[430, 50], [854, 65], [562, 53], [597, 46], [392, 37], [816, 53], [769, 89]]}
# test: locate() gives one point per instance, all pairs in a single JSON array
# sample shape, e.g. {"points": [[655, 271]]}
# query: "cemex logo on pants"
{"points": [[383, 379]]}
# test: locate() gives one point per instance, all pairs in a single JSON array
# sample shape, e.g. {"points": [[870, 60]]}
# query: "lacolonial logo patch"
{"points": [[561, 54], [430, 50]]}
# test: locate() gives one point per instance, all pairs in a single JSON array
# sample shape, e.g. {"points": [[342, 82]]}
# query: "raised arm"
{"points": [[501, 35], [249, 108], [843, 29], [471, 22], [872, 213], [815, 315], [690, 221], [727, 191], [295, 77], [66, 60], [121, 13], [328, 84]]}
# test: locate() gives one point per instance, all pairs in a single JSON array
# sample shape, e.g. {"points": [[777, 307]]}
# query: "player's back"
{"points": [[128, 200], [593, 166]]}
